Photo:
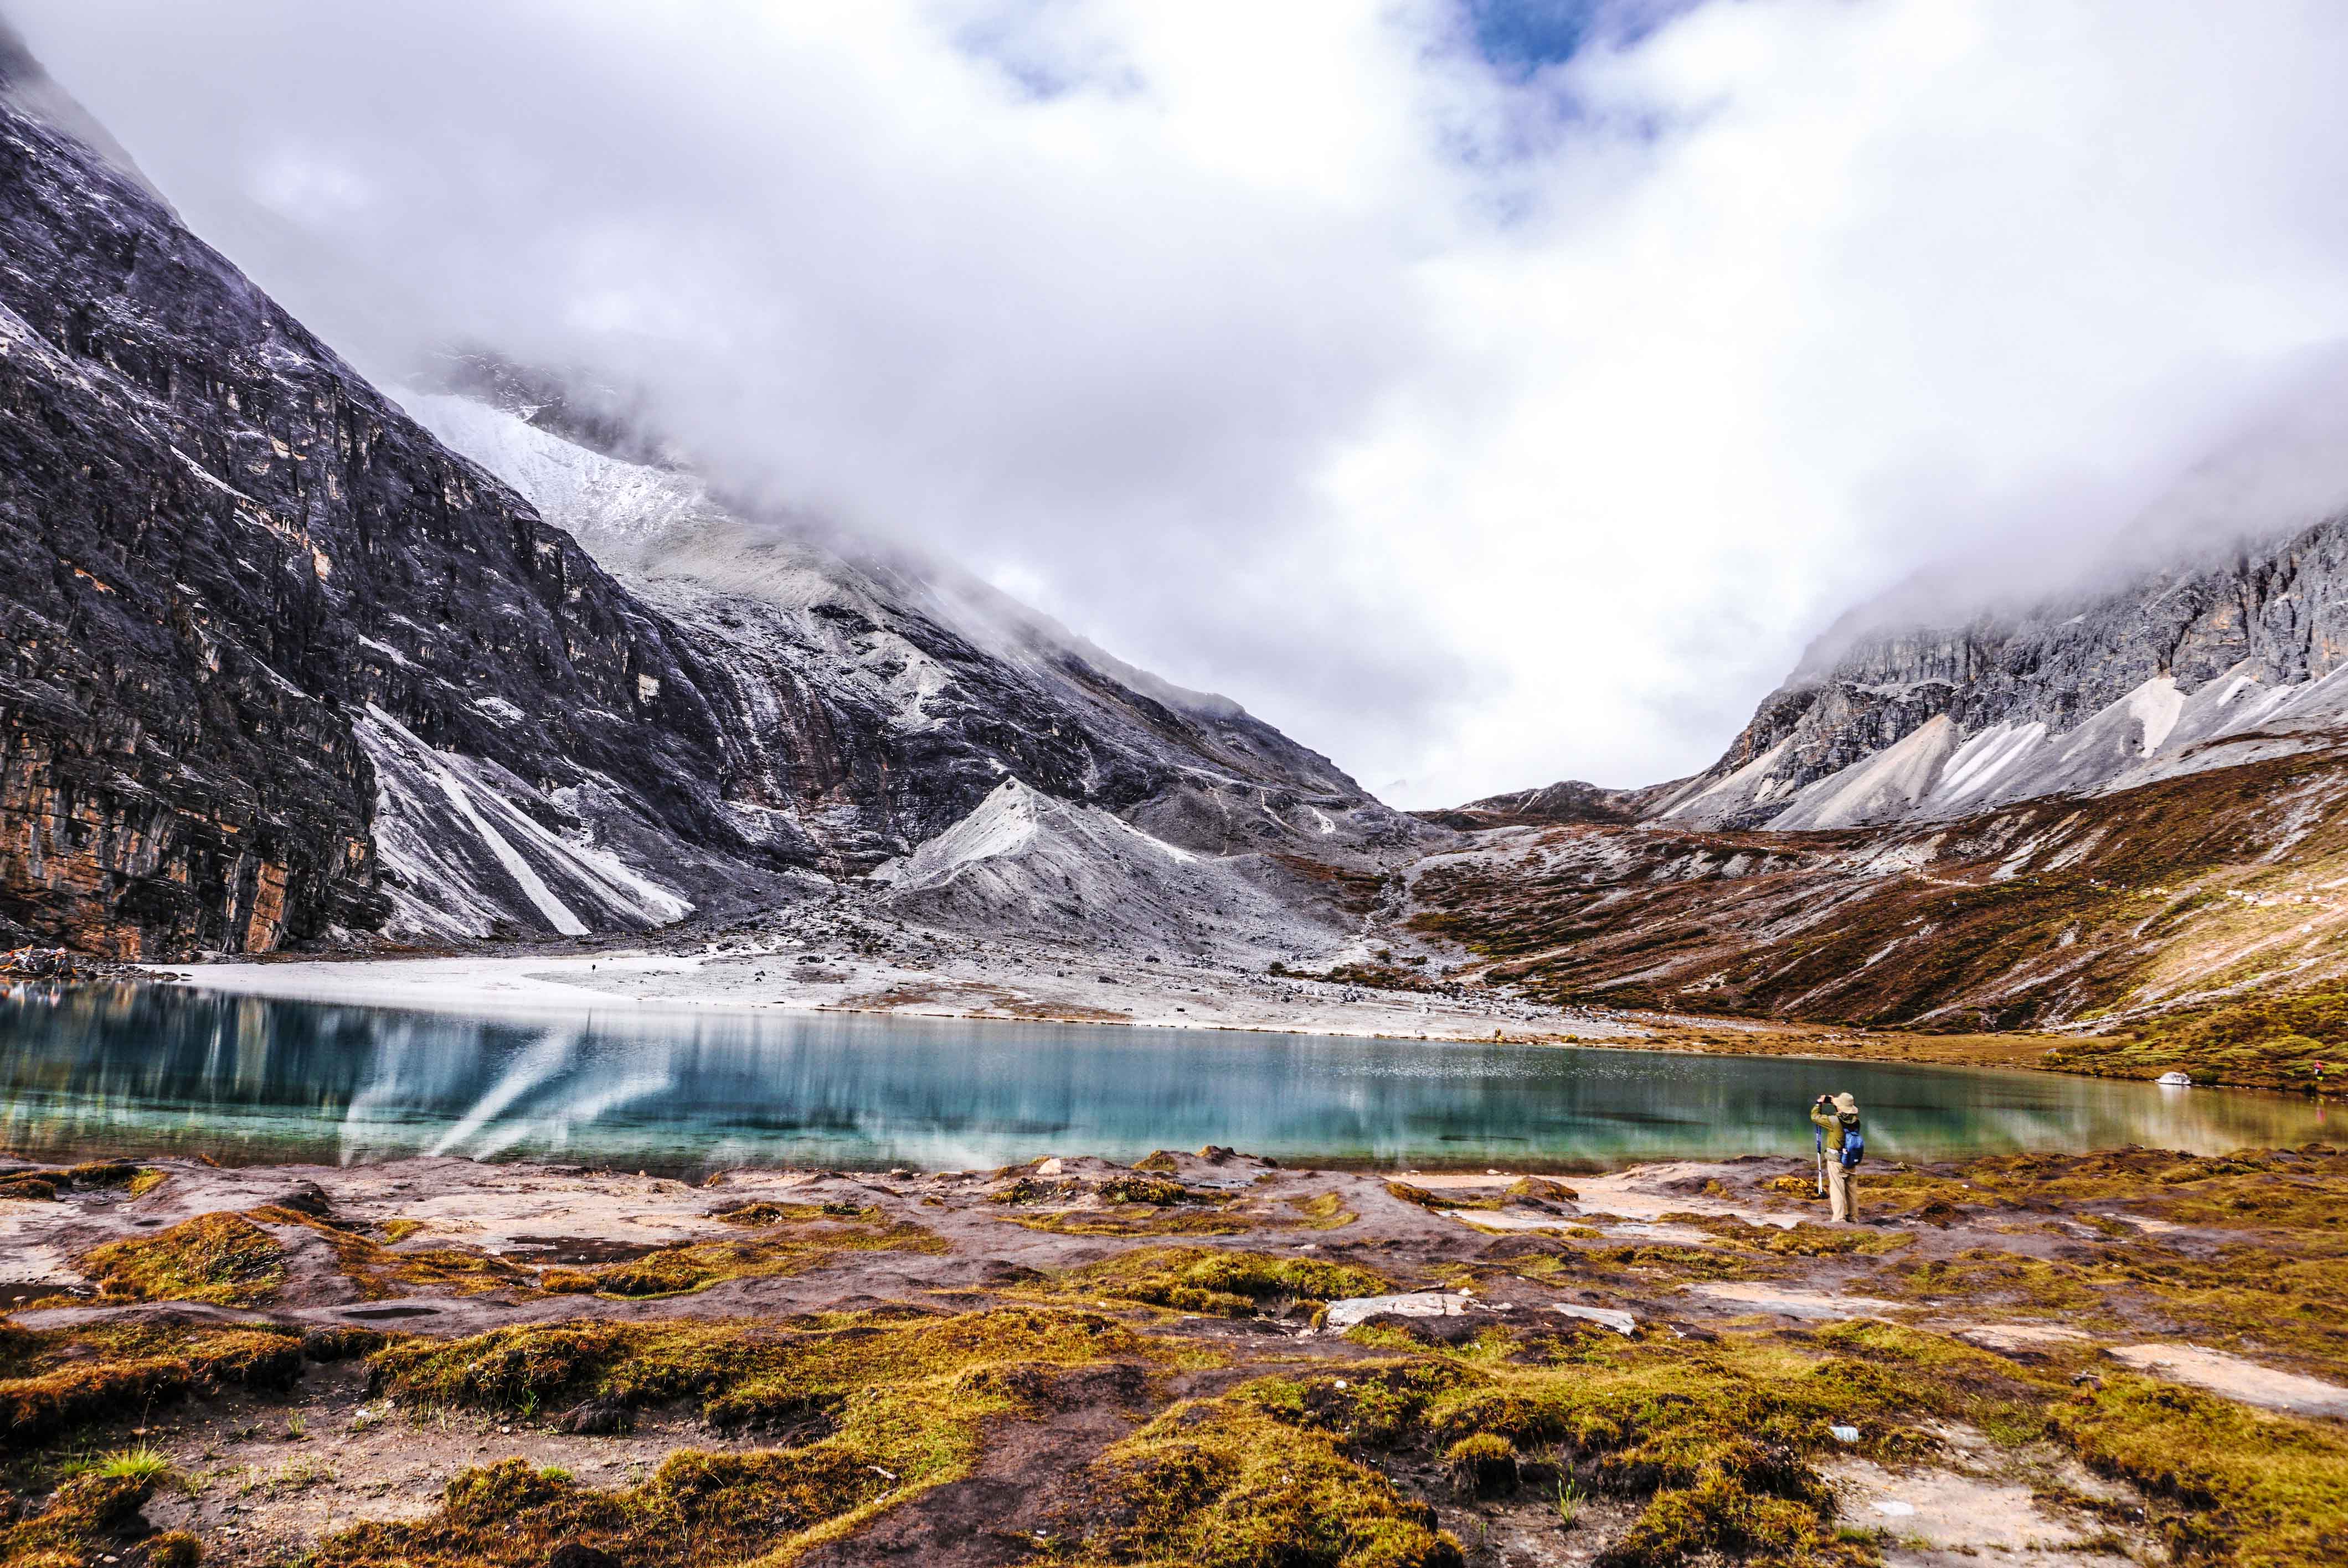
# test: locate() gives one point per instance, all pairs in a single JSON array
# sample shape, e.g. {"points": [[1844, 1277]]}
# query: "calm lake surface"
{"points": [[153, 1069]]}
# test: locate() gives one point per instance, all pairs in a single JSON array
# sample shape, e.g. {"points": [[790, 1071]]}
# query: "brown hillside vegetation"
{"points": [[2058, 911]]}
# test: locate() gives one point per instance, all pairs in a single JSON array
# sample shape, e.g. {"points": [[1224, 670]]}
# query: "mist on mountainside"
{"points": [[2273, 464], [1478, 402]]}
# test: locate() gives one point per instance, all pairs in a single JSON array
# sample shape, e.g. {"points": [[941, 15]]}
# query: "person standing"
{"points": [[1837, 1118]]}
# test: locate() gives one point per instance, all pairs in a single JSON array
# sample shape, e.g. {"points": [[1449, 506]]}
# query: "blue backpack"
{"points": [[1854, 1148]]}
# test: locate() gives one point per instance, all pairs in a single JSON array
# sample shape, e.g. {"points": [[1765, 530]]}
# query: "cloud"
{"points": [[1483, 393]]}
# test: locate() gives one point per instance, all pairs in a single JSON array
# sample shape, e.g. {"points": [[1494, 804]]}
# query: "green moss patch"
{"points": [[378, 1271], [2244, 1488], [2289, 1039], [696, 1266], [222, 1258], [1717, 1441], [1219, 1483], [1135, 1219], [738, 1374], [881, 1406], [760, 1214], [1221, 1284], [90, 1515], [1326, 1212]]}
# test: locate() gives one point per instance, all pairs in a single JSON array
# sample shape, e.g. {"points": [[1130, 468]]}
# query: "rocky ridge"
{"points": [[285, 667], [2203, 665], [897, 691], [234, 551], [2207, 662]]}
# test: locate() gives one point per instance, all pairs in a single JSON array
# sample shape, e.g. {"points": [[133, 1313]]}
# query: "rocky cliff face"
{"points": [[889, 694], [2200, 666], [2226, 661], [277, 664], [232, 549]]}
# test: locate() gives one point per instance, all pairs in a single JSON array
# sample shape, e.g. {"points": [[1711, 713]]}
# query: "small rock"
{"points": [[600, 1419], [1844, 1434], [579, 1554], [307, 1198]]}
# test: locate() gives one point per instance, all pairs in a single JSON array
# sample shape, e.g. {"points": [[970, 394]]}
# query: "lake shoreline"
{"points": [[1035, 992]]}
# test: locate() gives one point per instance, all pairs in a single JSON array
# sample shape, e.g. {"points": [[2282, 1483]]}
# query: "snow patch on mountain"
{"points": [[1755, 784], [2155, 731], [1885, 786], [2235, 650], [2155, 706], [463, 860]]}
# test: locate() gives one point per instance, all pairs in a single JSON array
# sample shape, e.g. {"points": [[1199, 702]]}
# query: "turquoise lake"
{"points": [[154, 1069]]}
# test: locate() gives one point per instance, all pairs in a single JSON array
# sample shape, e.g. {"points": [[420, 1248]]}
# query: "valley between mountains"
{"points": [[473, 672], [464, 686]]}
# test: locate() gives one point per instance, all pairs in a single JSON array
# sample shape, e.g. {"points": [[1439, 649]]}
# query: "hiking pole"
{"points": [[1818, 1137]]}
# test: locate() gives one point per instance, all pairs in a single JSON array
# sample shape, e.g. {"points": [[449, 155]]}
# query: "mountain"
{"points": [[2193, 667], [282, 666], [905, 690], [2061, 910], [2205, 663], [2124, 798], [1571, 800]]}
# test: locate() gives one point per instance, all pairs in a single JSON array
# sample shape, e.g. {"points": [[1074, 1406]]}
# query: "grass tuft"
{"points": [[1482, 1464], [63, 1378]]}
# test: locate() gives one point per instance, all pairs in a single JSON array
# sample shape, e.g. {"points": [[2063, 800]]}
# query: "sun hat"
{"points": [[1846, 1104]]}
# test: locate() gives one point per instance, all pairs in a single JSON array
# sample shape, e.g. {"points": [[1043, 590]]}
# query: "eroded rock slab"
{"points": [[1937, 1510], [1612, 1317], [2236, 1379], [1343, 1315], [1761, 1297]]}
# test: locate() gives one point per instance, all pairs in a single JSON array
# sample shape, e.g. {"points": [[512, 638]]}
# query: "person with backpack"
{"points": [[1836, 1120]]}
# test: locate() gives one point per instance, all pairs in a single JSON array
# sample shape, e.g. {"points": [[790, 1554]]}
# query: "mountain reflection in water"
{"points": [[156, 1069]]}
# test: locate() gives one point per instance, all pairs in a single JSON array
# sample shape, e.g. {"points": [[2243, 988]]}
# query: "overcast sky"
{"points": [[1486, 394]]}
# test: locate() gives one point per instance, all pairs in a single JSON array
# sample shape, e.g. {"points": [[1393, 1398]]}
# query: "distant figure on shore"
{"points": [[1837, 1117]]}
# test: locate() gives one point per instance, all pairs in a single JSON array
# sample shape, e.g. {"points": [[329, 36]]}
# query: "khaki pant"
{"points": [[1839, 1189]]}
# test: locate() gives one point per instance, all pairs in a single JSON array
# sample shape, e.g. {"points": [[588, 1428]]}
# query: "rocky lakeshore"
{"points": [[1200, 1358]]}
